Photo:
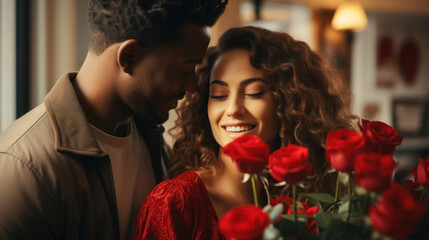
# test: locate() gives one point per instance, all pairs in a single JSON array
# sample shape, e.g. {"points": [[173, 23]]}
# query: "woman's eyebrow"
{"points": [[242, 83], [250, 80], [218, 82]]}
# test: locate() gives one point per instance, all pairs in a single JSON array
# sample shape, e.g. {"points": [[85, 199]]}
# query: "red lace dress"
{"points": [[179, 208]]}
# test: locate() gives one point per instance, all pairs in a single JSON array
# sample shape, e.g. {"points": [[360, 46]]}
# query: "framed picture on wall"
{"points": [[401, 54], [410, 116]]}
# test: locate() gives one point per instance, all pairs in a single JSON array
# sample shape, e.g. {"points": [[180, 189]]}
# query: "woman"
{"points": [[254, 82]]}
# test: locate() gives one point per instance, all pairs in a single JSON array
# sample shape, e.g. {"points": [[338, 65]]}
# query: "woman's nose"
{"points": [[235, 107]]}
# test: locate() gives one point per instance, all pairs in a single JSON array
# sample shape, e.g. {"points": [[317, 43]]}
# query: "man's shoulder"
{"points": [[30, 129], [28, 144]]}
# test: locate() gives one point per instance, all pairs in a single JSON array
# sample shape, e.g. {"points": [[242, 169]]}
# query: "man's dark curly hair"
{"points": [[151, 22]]}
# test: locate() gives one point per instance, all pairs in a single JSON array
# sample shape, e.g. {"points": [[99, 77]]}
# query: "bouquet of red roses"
{"points": [[375, 207]]}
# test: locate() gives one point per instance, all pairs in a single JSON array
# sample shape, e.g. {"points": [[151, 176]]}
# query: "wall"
{"points": [[413, 7], [82, 31], [364, 79], [7, 63], [366, 92], [53, 45]]}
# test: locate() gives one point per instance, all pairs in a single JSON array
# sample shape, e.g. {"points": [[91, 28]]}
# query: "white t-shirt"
{"points": [[132, 174]]}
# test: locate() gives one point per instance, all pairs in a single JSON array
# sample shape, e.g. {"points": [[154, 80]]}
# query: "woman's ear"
{"points": [[128, 55]]}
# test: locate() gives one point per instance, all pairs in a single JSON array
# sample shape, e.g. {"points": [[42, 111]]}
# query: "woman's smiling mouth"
{"points": [[239, 128]]}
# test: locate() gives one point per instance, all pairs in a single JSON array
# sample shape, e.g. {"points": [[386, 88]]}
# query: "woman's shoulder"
{"points": [[187, 185], [178, 208], [186, 180]]}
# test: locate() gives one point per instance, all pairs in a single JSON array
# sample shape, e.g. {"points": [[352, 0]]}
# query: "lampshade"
{"points": [[350, 16]]}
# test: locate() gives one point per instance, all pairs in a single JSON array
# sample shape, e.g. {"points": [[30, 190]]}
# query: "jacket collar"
{"points": [[72, 131]]}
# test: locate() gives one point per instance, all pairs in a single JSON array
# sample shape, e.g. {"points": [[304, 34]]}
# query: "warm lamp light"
{"points": [[350, 16]]}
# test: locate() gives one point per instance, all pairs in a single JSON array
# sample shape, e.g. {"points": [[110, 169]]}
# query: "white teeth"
{"points": [[237, 128]]}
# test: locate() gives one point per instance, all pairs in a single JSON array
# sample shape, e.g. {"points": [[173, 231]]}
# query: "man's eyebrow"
{"points": [[242, 83]]}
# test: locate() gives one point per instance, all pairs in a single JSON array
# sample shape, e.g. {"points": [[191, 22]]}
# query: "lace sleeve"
{"points": [[159, 215], [178, 209]]}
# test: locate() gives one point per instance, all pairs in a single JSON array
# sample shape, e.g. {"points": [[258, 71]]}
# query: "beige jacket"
{"points": [[55, 182]]}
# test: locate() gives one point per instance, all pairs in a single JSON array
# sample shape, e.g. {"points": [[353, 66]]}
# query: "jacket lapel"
{"points": [[73, 135]]}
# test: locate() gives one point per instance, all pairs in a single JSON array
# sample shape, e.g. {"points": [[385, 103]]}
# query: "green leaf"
{"points": [[339, 229], [321, 197], [346, 198], [312, 237], [352, 197], [341, 215], [323, 219], [289, 229], [301, 217], [355, 203], [344, 207]]}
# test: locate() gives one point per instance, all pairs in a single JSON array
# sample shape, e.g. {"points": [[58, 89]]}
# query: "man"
{"points": [[79, 165]]}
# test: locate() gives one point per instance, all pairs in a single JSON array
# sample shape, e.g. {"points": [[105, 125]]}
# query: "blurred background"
{"points": [[380, 48]]}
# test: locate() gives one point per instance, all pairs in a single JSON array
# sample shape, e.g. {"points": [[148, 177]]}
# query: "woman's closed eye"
{"points": [[218, 96], [218, 92], [254, 94]]}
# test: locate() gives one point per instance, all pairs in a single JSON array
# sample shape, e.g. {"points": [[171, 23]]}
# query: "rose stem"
{"points": [[266, 190], [255, 196], [363, 210], [337, 187], [349, 191], [422, 196], [295, 214]]}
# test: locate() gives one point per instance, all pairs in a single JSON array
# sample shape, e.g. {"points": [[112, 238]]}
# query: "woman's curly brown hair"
{"points": [[311, 99]]}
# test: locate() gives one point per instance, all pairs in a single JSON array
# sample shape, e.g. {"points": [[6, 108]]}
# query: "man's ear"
{"points": [[128, 54]]}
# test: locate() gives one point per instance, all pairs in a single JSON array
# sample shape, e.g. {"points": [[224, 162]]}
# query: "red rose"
{"points": [[397, 214], [342, 147], [374, 171], [282, 198], [303, 208], [290, 164], [312, 227], [415, 190], [244, 223], [249, 153], [421, 172], [379, 137]]}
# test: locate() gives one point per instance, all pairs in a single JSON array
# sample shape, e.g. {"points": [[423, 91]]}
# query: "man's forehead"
{"points": [[194, 42], [193, 32], [189, 49]]}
